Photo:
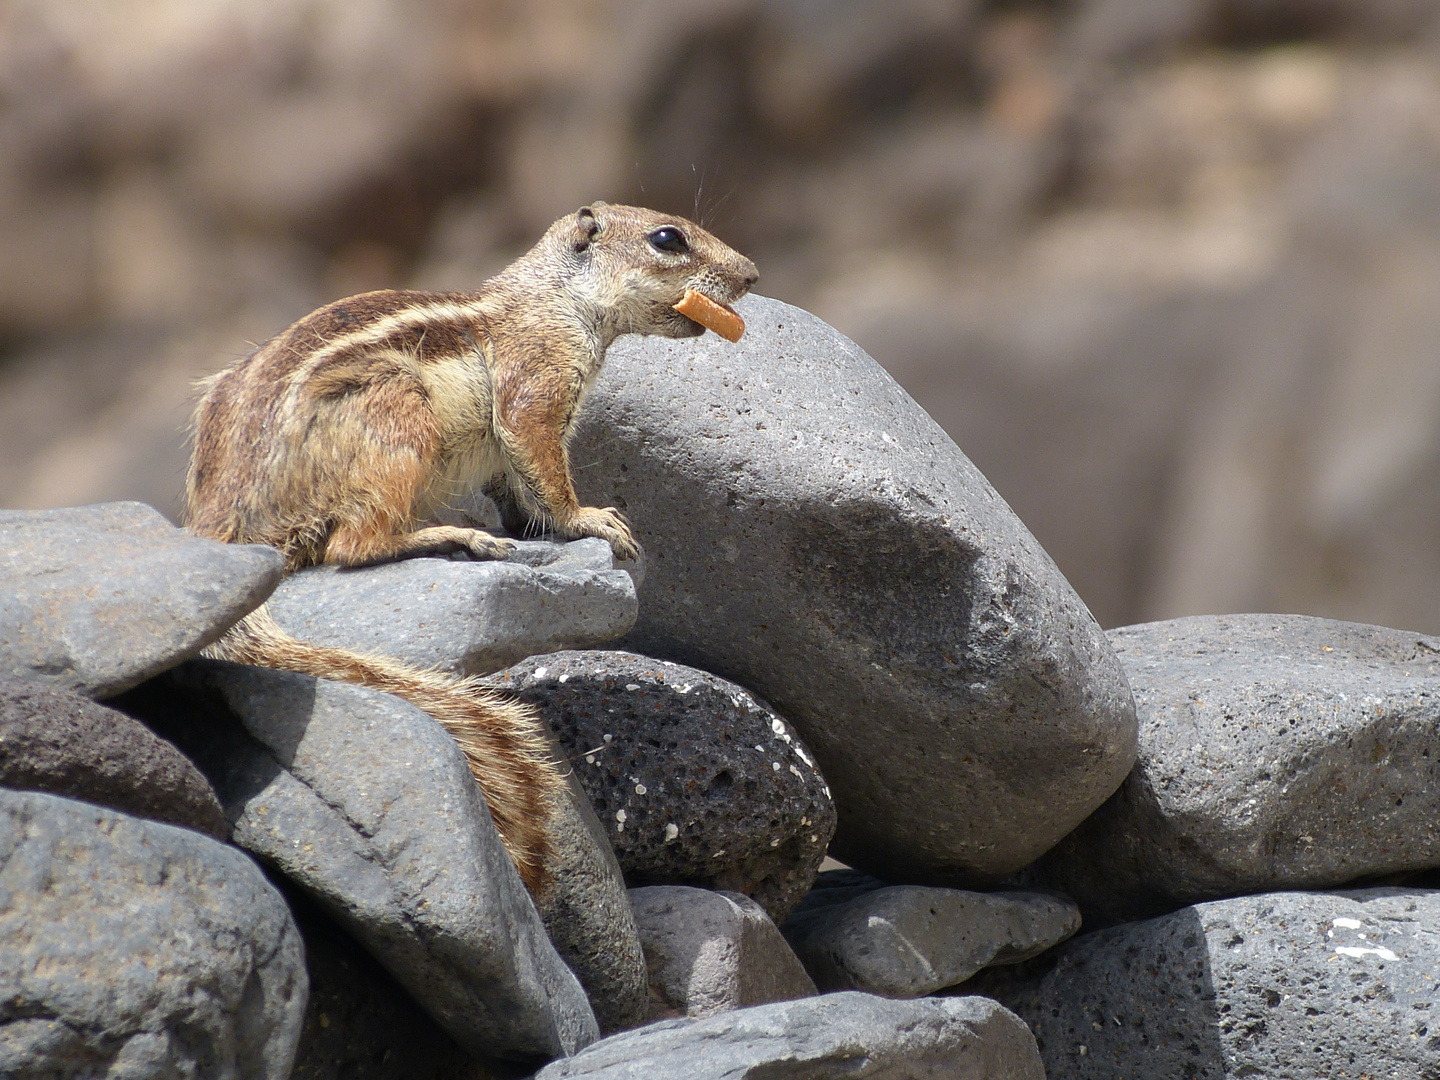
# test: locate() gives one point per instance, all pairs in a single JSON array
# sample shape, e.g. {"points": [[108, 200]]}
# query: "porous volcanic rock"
{"points": [[62, 742], [1276, 752], [99, 598], [910, 940], [469, 617], [367, 804], [134, 948], [713, 952], [696, 781], [813, 535], [848, 1034], [1281, 984]]}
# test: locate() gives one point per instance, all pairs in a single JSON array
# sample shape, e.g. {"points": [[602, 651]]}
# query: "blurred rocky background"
{"points": [[1167, 270]]}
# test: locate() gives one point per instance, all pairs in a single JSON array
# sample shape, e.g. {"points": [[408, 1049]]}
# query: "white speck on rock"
{"points": [[540, 672], [1351, 950], [620, 816], [797, 773], [775, 765], [775, 842], [639, 789], [589, 759], [1348, 924], [564, 677], [671, 831], [632, 686]]}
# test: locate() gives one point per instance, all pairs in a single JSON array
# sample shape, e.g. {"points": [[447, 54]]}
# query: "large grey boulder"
{"points": [[367, 804], [812, 535], [1276, 752], [696, 781], [99, 598], [461, 616], [1277, 985], [713, 952], [846, 1035], [911, 940], [359, 1022], [129, 948], [62, 742]]}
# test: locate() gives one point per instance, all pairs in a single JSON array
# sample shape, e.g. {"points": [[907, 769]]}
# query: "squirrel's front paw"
{"points": [[608, 524], [481, 545]]}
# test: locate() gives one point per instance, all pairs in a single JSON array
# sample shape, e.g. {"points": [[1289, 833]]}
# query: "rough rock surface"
{"points": [[1283, 984], [359, 1023], [586, 911], [813, 535], [367, 804], [848, 1034], [62, 742], [1276, 752], [99, 598], [696, 781], [911, 940], [463, 616], [713, 952], [129, 948]]}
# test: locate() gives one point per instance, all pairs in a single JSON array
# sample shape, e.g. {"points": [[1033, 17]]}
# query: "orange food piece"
{"points": [[718, 317]]}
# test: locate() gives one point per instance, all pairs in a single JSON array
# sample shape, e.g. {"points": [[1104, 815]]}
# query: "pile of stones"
{"points": [[840, 640]]}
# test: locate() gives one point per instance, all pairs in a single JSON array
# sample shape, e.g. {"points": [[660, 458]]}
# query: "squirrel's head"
{"points": [[634, 265]]}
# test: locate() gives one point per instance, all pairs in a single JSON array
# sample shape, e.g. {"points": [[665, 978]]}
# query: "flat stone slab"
{"points": [[462, 616], [813, 535], [846, 1035], [1277, 985], [98, 599], [910, 940], [1276, 752], [696, 781], [129, 948], [367, 804], [713, 952]]}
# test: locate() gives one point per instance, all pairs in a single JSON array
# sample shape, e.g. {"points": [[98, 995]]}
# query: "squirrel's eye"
{"points": [[668, 238]]}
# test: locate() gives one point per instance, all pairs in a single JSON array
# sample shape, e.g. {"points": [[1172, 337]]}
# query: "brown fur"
{"points": [[338, 439]]}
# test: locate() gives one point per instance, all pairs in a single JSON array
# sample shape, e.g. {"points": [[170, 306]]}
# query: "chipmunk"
{"points": [[338, 439]]}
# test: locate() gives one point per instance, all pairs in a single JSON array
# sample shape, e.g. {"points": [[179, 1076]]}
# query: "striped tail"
{"points": [[503, 740]]}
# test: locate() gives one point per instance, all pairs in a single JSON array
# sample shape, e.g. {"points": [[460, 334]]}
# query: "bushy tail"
{"points": [[501, 738]]}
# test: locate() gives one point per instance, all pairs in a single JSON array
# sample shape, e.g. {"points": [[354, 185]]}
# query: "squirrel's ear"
{"points": [[585, 228]]}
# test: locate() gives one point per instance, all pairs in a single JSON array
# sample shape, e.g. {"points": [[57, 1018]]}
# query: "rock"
{"points": [[909, 940], [814, 536], [849, 1034], [1283, 984], [99, 598], [461, 616], [713, 952], [360, 1024], [58, 741], [586, 912], [131, 948], [696, 781], [367, 804], [1276, 752]]}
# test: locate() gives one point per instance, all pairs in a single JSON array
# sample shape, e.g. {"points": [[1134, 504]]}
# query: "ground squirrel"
{"points": [[339, 439]]}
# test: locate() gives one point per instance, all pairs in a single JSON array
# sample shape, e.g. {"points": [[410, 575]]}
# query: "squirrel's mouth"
{"points": [[711, 314]]}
